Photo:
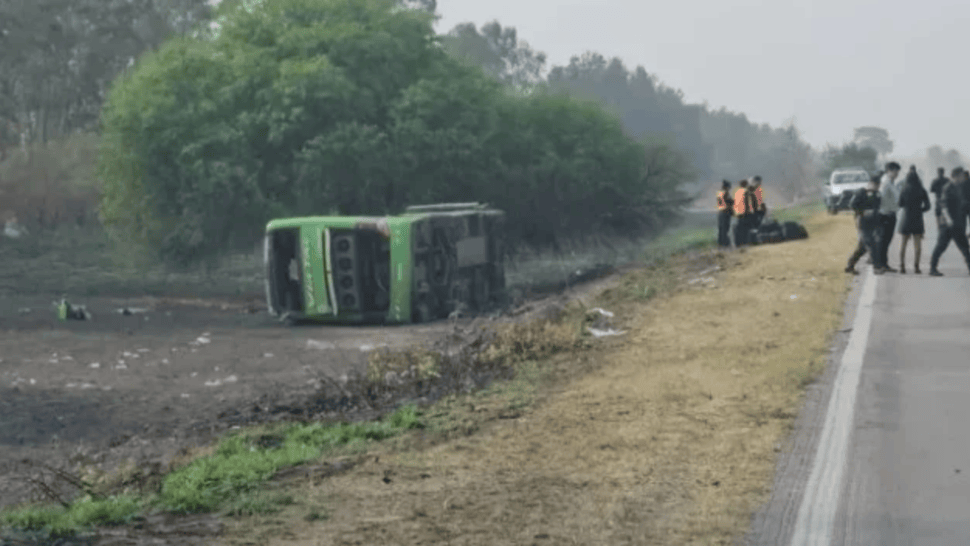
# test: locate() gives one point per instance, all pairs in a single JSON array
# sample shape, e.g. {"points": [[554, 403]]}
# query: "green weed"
{"points": [[243, 462], [81, 515]]}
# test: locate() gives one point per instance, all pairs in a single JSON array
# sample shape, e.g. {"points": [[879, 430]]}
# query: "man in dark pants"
{"points": [[866, 203], [952, 220], [725, 208], [742, 211], [760, 209], [888, 208]]}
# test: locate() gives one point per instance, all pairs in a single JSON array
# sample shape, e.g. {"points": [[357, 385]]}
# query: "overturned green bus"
{"points": [[415, 267]]}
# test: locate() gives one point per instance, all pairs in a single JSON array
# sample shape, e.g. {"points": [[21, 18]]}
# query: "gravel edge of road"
{"points": [[774, 523]]}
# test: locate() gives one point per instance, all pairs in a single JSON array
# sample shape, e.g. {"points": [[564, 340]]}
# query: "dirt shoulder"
{"points": [[668, 434]]}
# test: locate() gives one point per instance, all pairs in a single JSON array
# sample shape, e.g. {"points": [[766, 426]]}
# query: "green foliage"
{"points": [[241, 463], [849, 155], [57, 57], [52, 184], [498, 51], [297, 107], [81, 515]]}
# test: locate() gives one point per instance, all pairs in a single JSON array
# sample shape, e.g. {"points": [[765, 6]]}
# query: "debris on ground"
{"points": [[319, 345], [67, 311], [596, 332]]}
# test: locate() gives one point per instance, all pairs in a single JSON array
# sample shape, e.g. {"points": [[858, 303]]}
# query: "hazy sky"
{"points": [[832, 64]]}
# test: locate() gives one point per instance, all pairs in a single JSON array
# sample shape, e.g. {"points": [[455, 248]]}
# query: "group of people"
{"points": [[886, 202], [747, 205]]}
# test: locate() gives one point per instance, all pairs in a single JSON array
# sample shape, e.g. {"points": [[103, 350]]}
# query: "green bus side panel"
{"points": [[314, 257], [402, 270]]}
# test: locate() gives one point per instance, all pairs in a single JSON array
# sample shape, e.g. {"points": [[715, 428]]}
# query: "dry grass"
{"points": [[666, 436]]}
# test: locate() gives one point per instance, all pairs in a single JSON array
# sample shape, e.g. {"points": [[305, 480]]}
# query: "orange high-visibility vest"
{"points": [[761, 199], [739, 202], [722, 201]]}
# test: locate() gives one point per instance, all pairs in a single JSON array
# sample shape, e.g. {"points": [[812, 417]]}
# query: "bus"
{"points": [[427, 263]]}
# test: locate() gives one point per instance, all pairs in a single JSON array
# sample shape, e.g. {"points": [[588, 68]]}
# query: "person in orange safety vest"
{"points": [[744, 212], [760, 208], [725, 209]]}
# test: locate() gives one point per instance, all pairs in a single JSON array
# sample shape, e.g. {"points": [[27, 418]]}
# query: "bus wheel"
{"points": [[422, 313], [482, 290]]}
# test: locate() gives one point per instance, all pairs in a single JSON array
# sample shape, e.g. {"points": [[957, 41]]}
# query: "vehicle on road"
{"points": [[840, 187], [424, 264]]}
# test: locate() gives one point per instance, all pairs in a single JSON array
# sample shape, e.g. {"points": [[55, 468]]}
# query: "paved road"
{"points": [[882, 454]]}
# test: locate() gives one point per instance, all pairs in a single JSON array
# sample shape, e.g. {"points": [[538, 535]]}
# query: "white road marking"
{"points": [[820, 504]]}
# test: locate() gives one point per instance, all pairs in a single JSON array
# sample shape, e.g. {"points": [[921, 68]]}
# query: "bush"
{"points": [[51, 184], [81, 515], [301, 107]]}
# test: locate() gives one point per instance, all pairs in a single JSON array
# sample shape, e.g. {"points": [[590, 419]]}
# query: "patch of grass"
{"points": [[798, 213], [243, 462], [85, 262], [417, 362], [80, 516], [679, 240], [258, 503]]}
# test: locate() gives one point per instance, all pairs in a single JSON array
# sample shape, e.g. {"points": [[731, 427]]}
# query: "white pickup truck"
{"points": [[842, 185]]}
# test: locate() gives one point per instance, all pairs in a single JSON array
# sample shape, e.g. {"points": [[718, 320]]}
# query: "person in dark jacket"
{"points": [[936, 188], [913, 202], [725, 209], [952, 220], [866, 203]]}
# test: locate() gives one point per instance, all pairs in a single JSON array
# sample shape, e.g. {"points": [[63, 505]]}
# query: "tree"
{"points": [[58, 56], [298, 107], [498, 51], [876, 138], [847, 156]]}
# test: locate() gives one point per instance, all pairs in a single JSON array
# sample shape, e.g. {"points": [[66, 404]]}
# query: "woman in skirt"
{"points": [[913, 203]]}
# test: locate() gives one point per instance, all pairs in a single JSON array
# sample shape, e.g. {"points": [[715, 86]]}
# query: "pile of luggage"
{"points": [[772, 231]]}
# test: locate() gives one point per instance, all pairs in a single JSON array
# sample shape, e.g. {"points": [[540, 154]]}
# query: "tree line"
{"points": [[212, 121], [719, 143]]}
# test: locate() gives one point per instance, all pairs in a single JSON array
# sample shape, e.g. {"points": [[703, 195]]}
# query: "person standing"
{"points": [[913, 202], [952, 221], [865, 203], [760, 209], [725, 208], [742, 212], [888, 208], [936, 187]]}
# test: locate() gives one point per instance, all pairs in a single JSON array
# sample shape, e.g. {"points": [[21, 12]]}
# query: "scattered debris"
{"points": [[13, 230], [220, 382], [709, 270], [596, 332], [66, 311], [320, 345], [604, 312]]}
